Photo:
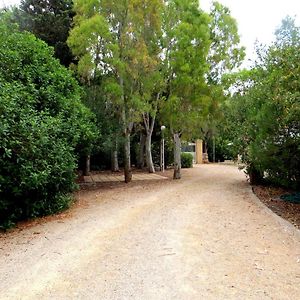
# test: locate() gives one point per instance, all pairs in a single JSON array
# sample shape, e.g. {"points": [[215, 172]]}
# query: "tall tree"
{"points": [[149, 77], [49, 20], [225, 55], [287, 34], [108, 37], [185, 48]]}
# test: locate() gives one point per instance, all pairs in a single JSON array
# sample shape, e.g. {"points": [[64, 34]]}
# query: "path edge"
{"points": [[285, 224]]}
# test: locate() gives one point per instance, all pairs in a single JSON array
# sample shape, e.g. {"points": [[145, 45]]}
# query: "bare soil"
{"points": [[270, 196], [206, 236]]}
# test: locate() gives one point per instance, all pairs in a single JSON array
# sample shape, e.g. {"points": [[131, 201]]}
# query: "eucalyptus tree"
{"points": [[225, 53], [109, 38], [150, 81], [225, 56], [88, 42], [185, 46]]}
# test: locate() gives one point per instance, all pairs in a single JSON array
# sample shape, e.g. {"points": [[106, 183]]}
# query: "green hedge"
{"points": [[186, 160], [43, 127]]}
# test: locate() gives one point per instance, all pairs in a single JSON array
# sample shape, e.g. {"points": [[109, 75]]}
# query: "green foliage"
{"points": [[225, 53], [49, 20], [186, 160], [42, 126], [116, 45], [264, 113], [154, 56], [186, 43], [287, 33], [107, 122], [222, 149]]}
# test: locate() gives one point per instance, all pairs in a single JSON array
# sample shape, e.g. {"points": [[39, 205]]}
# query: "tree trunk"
{"points": [[177, 156], [149, 160], [149, 125], [87, 167], [127, 162], [214, 150], [114, 159], [141, 155], [126, 131]]}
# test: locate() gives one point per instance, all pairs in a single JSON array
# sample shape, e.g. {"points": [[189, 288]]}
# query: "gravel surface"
{"points": [[203, 237]]}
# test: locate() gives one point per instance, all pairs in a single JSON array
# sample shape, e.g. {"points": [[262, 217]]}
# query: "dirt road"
{"points": [[204, 237]]}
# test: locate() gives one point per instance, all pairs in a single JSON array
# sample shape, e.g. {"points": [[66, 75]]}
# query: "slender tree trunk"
{"points": [[141, 154], [149, 160], [114, 158], [127, 161], [126, 131], [87, 167], [149, 126], [177, 156]]}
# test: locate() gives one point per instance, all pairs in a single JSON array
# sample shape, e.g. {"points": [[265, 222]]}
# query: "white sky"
{"points": [[257, 19]]}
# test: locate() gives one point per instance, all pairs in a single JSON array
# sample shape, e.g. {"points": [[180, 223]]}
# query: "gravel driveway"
{"points": [[204, 237]]}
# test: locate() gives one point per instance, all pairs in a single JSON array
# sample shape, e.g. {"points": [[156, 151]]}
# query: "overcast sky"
{"points": [[257, 19]]}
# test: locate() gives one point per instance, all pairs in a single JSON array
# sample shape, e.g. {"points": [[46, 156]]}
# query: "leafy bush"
{"points": [[43, 127], [186, 160], [222, 149], [264, 113]]}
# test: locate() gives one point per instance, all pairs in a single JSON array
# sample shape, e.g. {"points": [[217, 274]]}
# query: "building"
{"points": [[197, 150]]}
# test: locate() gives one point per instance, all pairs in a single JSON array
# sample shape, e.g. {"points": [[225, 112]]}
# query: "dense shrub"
{"points": [[264, 113], [222, 149], [42, 126], [186, 160]]}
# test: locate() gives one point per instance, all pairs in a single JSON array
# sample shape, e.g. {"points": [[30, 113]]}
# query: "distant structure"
{"points": [[199, 153]]}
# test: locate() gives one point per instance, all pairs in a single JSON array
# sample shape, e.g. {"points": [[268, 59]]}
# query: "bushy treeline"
{"points": [[140, 64], [264, 113], [43, 128]]}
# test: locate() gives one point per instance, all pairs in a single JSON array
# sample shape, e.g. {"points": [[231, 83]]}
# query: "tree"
{"points": [[185, 48], [49, 20], [225, 56], [108, 40], [107, 122], [149, 79], [287, 33], [265, 112], [225, 53], [150, 55]]}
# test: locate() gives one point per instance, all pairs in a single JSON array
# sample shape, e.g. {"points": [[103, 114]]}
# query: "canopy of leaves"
{"points": [[185, 48], [225, 56], [265, 111], [117, 47], [43, 124], [49, 20], [225, 52]]}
